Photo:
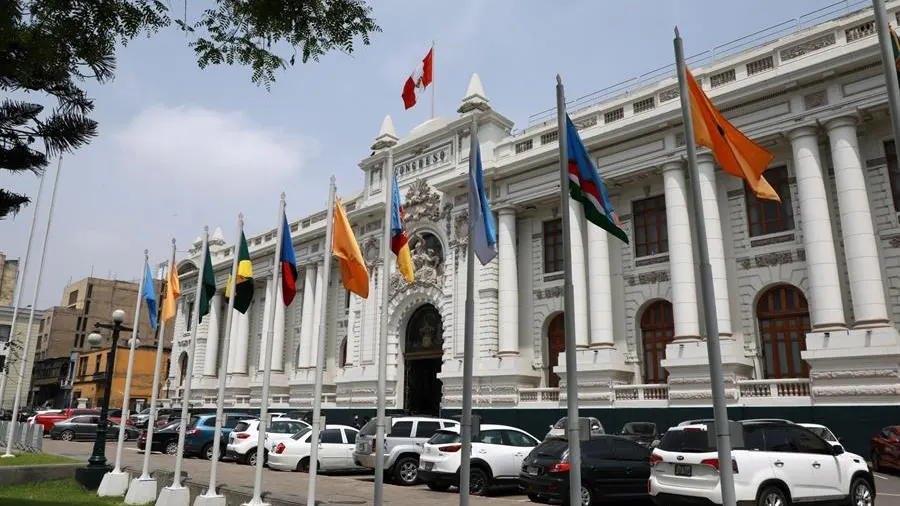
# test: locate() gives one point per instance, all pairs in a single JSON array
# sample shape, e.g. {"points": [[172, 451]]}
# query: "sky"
{"points": [[180, 147]]}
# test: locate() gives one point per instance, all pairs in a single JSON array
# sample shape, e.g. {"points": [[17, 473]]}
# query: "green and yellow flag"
{"points": [[244, 291], [208, 286]]}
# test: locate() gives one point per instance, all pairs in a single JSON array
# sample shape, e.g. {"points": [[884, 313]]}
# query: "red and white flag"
{"points": [[418, 80]]}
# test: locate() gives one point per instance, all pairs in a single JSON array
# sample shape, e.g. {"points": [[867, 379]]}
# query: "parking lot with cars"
{"points": [[510, 465]]}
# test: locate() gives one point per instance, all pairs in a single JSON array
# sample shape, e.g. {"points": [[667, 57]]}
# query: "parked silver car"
{"points": [[558, 429], [402, 445]]}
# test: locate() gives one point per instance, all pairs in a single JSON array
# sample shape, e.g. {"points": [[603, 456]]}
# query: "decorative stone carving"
{"points": [[549, 293], [371, 252], [774, 259], [856, 374], [422, 203], [428, 265], [807, 47], [648, 278]]}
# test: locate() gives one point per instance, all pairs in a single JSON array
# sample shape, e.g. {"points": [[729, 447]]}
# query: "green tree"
{"points": [[50, 48]]}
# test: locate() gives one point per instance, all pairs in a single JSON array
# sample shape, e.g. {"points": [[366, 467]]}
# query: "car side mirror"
{"points": [[550, 426], [837, 450]]}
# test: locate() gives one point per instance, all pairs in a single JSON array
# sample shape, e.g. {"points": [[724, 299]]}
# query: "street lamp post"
{"points": [[91, 475]]}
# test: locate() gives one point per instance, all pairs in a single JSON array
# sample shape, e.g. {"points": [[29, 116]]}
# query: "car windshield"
{"points": [[823, 433], [562, 423], [300, 433], [172, 426], [241, 427], [145, 411], [555, 448], [368, 429], [443, 437], [686, 441], [640, 428]]}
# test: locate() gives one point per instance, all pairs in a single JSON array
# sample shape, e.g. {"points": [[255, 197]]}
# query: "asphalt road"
{"points": [[350, 488]]}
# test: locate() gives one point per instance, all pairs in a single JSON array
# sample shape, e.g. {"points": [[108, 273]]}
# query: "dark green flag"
{"points": [[208, 287]]}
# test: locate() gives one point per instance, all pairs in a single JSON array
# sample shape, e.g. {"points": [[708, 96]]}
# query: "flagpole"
{"points": [[572, 422], [320, 354], [381, 388], [890, 67], [720, 408], [469, 334], [211, 498], [143, 489], [272, 299], [18, 296], [176, 494], [432, 79], [37, 288], [117, 481]]}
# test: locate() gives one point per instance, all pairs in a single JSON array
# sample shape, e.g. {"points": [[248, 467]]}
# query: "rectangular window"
{"points": [[73, 297], [651, 237], [553, 246], [4, 333], [890, 152], [769, 216], [347, 300]]}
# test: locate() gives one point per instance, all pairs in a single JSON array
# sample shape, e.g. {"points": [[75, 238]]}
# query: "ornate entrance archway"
{"points": [[423, 358]]}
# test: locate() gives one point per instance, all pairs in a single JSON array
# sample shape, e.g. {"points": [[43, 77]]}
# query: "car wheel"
{"points": [[538, 499], [406, 471], [439, 487], [207, 451], [771, 496], [478, 481], [876, 462], [67, 435], [587, 498], [861, 493], [303, 465], [172, 447], [250, 459]]}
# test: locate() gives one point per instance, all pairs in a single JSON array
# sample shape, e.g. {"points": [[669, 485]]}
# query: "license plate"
{"points": [[429, 466], [682, 469], [531, 470]]}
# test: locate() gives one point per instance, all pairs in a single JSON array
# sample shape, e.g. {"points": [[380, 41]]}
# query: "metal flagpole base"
{"points": [[210, 499], [114, 484], [174, 496], [141, 491]]}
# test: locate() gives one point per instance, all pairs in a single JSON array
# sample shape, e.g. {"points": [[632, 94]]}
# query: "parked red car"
{"points": [[49, 419], [886, 448]]}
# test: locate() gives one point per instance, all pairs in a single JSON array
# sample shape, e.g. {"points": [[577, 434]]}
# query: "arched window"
{"points": [[556, 344], [342, 354], [657, 330], [183, 363], [783, 323]]}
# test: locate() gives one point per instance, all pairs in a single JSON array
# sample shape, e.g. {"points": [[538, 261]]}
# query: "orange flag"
{"points": [[173, 291], [354, 274], [736, 154]]}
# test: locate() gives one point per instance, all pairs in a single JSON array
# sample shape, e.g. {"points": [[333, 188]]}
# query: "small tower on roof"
{"points": [[387, 137], [475, 99]]}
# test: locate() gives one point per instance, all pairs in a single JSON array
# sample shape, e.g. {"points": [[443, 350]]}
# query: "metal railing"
{"points": [[709, 56], [27, 437]]}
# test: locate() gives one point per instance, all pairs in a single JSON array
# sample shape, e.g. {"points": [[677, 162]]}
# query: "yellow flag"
{"points": [[354, 274], [173, 291]]}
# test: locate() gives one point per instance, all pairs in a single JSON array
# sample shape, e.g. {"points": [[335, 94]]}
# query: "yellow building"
{"points": [[90, 376]]}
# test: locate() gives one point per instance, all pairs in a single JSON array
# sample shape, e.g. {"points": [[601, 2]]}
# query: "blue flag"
{"points": [[484, 235], [150, 296]]}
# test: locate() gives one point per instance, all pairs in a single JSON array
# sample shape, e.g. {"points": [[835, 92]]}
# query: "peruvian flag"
{"points": [[418, 80]]}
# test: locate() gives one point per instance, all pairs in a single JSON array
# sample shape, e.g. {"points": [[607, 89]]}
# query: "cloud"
{"points": [[221, 150]]}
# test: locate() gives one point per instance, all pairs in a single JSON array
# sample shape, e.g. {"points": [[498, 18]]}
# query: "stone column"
{"points": [[210, 360], [681, 253], [267, 313], [508, 295], [825, 297], [241, 338], [579, 276], [278, 340], [860, 242], [320, 298], [600, 288], [706, 170], [306, 317]]}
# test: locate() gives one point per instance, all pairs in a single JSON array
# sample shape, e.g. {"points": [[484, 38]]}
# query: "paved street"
{"points": [[351, 488]]}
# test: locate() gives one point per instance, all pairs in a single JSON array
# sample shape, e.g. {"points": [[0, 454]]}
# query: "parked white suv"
{"points": [[497, 455], [244, 438], [402, 445], [779, 464]]}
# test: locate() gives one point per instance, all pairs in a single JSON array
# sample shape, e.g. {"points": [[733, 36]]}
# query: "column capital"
{"points": [[706, 157], [802, 131], [672, 165], [506, 210], [841, 121]]}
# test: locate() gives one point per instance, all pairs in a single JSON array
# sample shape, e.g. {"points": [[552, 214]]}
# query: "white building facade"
{"points": [[807, 290]]}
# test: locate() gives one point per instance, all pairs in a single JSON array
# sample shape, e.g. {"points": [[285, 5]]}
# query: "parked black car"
{"points": [[85, 427], [642, 433], [165, 439], [612, 469]]}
